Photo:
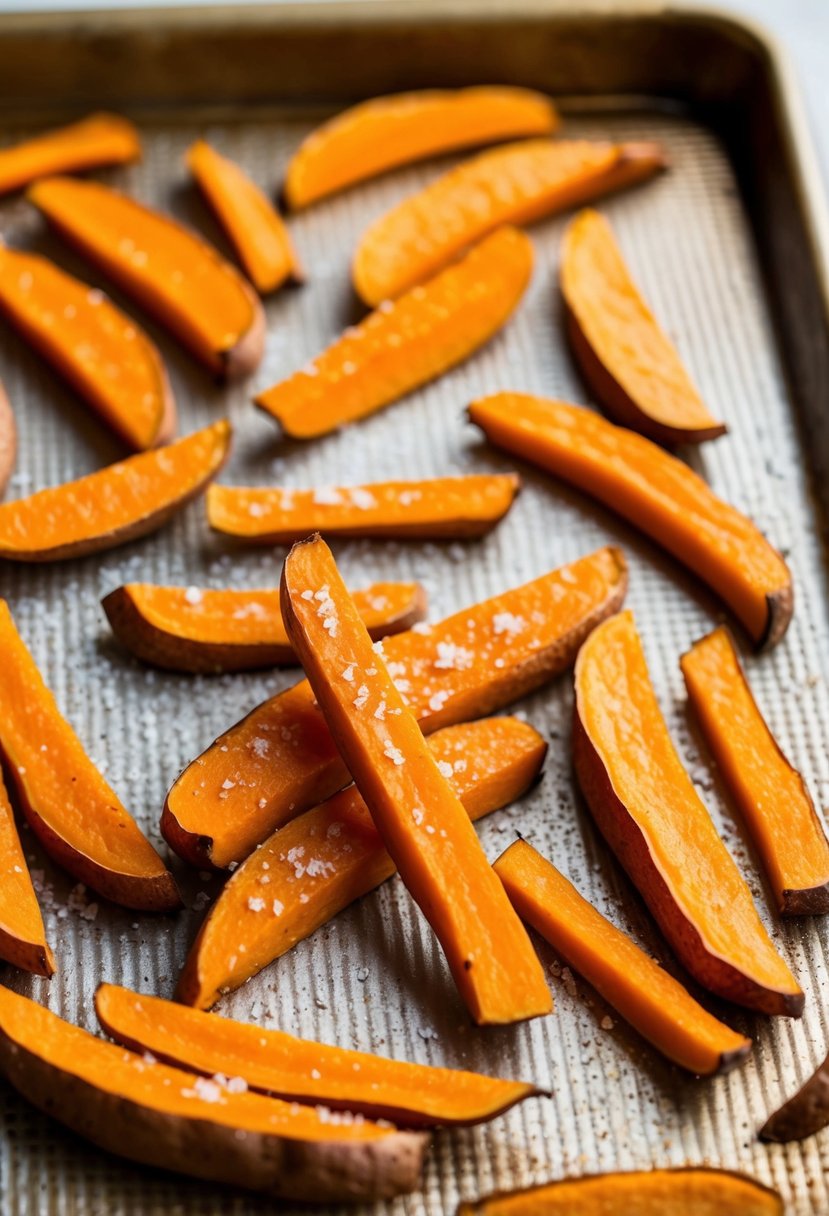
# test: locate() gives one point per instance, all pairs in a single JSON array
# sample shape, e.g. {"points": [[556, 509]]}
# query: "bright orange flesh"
{"points": [[70, 807], [441, 507], [115, 504], [22, 937], [255, 227], [771, 795], [100, 139], [173, 273], [644, 994], [281, 759], [628, 360], [517, 184], [273, 1062], [407, 343], [316, 865], [655, 492], [387, 132], [417, 813], [8, 440], [99, 350], [651, 815]]}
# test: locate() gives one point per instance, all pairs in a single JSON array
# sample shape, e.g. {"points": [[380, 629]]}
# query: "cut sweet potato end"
{"points": [[8, 441], [22, 936], [804, 1114], [99, 139]]}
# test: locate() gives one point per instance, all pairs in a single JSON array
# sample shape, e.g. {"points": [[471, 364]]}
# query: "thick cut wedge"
{"points": [[316, 865], [690, 1191], [8, 440], [649, 998], [201, 630], [627, 359], [115, 504], [441, 508], [22, 937], [176, 1120], [648, 810], [98, 349], [517, 184], [386, 132], [255, 228], [407, 343], [171, 272], [771, 795], [301, 1070], [655, 492], [69, 806], [100, 139], [416, 811], [805, 1113], [280, 760]]}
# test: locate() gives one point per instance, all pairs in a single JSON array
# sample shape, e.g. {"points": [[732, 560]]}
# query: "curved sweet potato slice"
{"points": [[163, 1116], [256, 230], [805, 1113], [22, 937], [627, 359], [190, 629], [281, 759], [387, 132], [416, 811], [115, 504], [69, 806], [405, 344], [688, 1191], [98, 349], [657, 493], [517, 184], [772, 796], [8, 440], [316, 865], [280, 1064], [439, 508], [179, 278], [648, 810], [644, 994], [100, 139]]}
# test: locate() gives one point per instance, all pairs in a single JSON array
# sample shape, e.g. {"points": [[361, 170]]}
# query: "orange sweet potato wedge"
{"points": [[165, 1117], [382, 134], [99, 139], [22, 937], [438, 509], [272, 1062], [105, 357], [516, 184], [8, 440], [655, 492], [403, 345], [648, 810], [627, 359], [646, 996], [316, 865], [254, 227], [201, 630], [804, 1114], [72, 810], [687, 1191], [171, 272], [114, 505], [771, 795], [416, 811], [280, 760]]}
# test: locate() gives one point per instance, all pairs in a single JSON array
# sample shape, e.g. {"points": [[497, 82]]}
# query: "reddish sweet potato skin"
{"points": [[805, 1113], [8, 441]]}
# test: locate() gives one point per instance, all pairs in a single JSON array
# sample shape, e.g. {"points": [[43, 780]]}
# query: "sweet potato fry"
{"points": [[8, 440], [72, 810], [386, 132], [440, 508], [171, 272], [280, 760], [804, 1114], [98, 350], [655, 492], [22, 936], [190, 629], [405, 344], [316, 865], [114, 505], [517, 184], [100, 139]]}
